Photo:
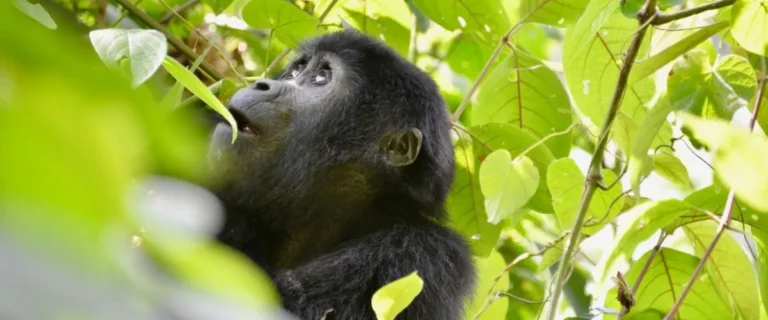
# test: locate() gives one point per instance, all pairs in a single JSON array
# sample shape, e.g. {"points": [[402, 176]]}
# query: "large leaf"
{"points": [[465, 203], [525, 93], [488, 270], [492, 136], [667, 165], [142, 50], [287, 22], [507, 184], [761, 241], [728, 268], [391, 299], [487, 18], [553, 12], [661, 286], [711, 92], [566, 183], [593, 52], [739, 158], [194, 85], [750, 25]]}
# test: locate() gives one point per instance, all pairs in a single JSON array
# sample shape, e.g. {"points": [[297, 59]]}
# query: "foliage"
{"points": [[591, 137]]}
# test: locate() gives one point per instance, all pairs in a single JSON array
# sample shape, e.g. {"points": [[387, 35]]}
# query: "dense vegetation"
{"points": [[611, 157]]}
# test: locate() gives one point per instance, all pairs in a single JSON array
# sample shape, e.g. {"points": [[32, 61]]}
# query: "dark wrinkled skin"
{"points": [[314, 200]]}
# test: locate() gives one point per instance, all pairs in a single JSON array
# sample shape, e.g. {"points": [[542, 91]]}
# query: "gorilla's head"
{"points": [[348, 125]]}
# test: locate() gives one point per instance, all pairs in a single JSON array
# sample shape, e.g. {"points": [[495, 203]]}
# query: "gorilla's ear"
{"points": [[401, 147]]}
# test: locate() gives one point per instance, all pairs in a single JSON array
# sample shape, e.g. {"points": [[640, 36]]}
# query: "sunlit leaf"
{"points": [[507, 184], [750, 25], [661, 286], [728, 267], [488, 270], [738, 158], [391, 299], [514, 93], [761, 242], [639, 163], [37, 12], [287, 22], [143, 50], [218, 6], [552, 12], [492, 136], [194, 85], [671, 168], [487, 18]]}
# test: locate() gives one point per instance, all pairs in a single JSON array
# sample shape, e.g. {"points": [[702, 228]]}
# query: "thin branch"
{"points": [[285, 52], [412, 50], [178, 11], [187, 51], [727, 212], [664, 18], [594, 173], [643, 271]]}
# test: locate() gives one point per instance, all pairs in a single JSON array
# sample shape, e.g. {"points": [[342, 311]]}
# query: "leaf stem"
{"points": [[594, 173], [185, 50], [727, 215], [643, 271], [669, 17]]}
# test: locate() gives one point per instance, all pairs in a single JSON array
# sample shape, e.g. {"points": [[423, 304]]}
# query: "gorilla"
{"points": [[337, 182]]}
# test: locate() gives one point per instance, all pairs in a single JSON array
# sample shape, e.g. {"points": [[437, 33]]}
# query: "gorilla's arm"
{"points": [[346, 279]]}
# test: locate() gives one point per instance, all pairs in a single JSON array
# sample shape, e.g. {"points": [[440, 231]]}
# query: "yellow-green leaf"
{"points": [[391, 299], [750, 25], [507, 184]]}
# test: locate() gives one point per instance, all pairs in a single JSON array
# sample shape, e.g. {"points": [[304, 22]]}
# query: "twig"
{"points": [[664, 18], [187, 51], [643, 271], [168, 16], [414, 33], [594, 173], [517, 260], [725, 220], [285, 52]]}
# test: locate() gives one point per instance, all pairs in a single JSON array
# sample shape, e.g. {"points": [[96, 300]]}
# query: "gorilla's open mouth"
{"points": [[243, 125]]}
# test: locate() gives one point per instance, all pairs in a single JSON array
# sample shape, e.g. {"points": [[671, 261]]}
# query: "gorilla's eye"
{"points": [[294, 73], [321, 77], [298, 69]]}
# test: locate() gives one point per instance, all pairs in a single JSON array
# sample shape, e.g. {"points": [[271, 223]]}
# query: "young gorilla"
{"points": [[338, 182]]}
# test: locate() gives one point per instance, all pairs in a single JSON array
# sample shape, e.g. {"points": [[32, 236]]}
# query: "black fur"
{"points": [[313, 200]]}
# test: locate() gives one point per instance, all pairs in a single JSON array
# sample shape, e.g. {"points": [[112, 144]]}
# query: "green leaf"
{"points": [[552, 12], [750, 25], [592, 54], [384, 28], [761, 241], [194, 85], [738, 158], [671, 168], [493, 136], [712, 92], [465, 202], [391, 299], [513, 93], [646, 67], [37, 12], [661, 286], [728, 268], [488, 270], [639, 163], [506, 184], [566, 183], [142, 49], [644, 220], [287, 22], [486, 18]]}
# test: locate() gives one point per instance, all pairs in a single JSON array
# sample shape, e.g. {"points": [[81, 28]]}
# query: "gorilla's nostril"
{"points": [[262, 86]]}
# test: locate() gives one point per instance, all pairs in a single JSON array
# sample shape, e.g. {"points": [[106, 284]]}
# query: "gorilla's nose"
{"points": [[261, 91]]}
